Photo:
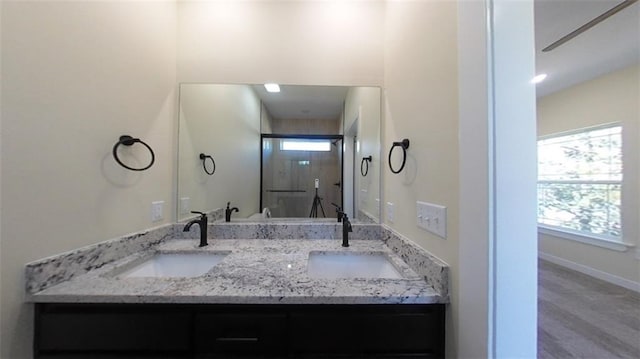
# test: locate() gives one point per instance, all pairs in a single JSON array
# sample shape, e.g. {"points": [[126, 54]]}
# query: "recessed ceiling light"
{"points": [[272, 87], [538, 78]]}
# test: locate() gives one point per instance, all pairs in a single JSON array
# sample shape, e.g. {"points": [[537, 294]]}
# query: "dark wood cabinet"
{"points": [[369, 330], [247, 331], [78, 328]]}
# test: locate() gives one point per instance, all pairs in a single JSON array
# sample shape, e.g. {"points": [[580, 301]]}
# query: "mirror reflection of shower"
{"points": [[301, 175], [227, 121]]}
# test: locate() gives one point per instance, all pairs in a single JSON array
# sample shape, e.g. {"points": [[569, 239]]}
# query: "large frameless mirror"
{"points": [[292, 154]]}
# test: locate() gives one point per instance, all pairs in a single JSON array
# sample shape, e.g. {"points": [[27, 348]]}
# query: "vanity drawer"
{"points": [[240, 333]]}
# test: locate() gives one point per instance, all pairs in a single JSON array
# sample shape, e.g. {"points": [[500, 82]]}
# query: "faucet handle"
{"points": [[200, 213]]}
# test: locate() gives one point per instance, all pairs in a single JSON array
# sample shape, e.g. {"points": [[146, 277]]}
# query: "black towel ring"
{"points": [[365, 160], [129, 141], [204, 157], [404, 144]]}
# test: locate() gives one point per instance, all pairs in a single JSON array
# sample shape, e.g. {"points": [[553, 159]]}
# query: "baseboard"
{"points": [[607, 277]]}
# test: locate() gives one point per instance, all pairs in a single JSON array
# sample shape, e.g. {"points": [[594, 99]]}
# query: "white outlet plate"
{"points": [[432, 217], [390, 212], [157, 211], [185, 205], [364, 197]]}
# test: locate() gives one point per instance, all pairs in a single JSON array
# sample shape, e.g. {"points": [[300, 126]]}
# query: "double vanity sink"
{"points": [[156, 296], [251, 271], [320, 265]]}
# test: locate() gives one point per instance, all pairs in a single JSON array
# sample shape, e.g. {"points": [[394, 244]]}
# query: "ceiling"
{"points": [[610, 45], [304, 102]]}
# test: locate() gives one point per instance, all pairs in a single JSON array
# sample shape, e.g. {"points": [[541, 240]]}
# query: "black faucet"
{"points": [[228, 211], [202, 223], [338, 211], [346, 228]]}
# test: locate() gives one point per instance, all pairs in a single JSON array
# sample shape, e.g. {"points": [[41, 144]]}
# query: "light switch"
{"points": [[432, 217], [157, 211]]}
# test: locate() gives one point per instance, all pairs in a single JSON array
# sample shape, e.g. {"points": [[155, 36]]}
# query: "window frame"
{"points": [[605, 241]]}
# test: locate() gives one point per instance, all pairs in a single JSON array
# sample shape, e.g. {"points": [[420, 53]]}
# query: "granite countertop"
{"points": [[256, 271]]}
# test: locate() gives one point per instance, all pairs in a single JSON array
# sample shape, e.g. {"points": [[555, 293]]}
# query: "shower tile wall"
{"points": [[305, 127]]}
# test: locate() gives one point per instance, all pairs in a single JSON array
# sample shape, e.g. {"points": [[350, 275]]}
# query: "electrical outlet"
{"points": [[432, 218], [185, 205], [390, 212], [157, 211], [364, 197]]}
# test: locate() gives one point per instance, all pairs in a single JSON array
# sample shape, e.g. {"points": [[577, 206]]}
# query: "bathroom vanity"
{"points": [[223, 330], [151, 295]]}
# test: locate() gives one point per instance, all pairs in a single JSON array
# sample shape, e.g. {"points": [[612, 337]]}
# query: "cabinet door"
{"points": [[250, 333], [357, 331], [80, 328]]}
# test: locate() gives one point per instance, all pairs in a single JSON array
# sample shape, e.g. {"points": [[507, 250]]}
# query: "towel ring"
{"points": [[404, 144], [204, 157], [365, 160], [129, 141]]}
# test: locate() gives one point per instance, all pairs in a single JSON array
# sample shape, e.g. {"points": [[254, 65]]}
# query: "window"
{"points": [[305, 145], [580, 180]]}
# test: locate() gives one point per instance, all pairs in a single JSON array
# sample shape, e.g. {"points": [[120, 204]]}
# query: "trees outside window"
{"points": [[580, 182]]}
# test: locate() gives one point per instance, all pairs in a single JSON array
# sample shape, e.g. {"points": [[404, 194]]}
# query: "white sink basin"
{"points": [[175, 265], [351, 265]]}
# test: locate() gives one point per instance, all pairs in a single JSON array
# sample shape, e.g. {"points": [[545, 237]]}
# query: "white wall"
{"points": [[265, 120], [474, 245], [76, 76], [497, 263], [364, 104], [222, 121], [289, 42], [609, 98], [512, 171], [421, 104], [1, 85]]}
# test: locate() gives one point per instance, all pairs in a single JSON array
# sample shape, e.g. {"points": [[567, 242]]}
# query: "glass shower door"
{"points": [[290, 168]]}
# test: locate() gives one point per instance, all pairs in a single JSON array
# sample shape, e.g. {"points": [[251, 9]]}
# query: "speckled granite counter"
{"points": [[255, 272], [268, 264]]}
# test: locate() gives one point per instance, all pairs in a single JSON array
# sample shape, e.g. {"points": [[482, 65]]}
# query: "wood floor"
{"points": [[583, 317]]}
